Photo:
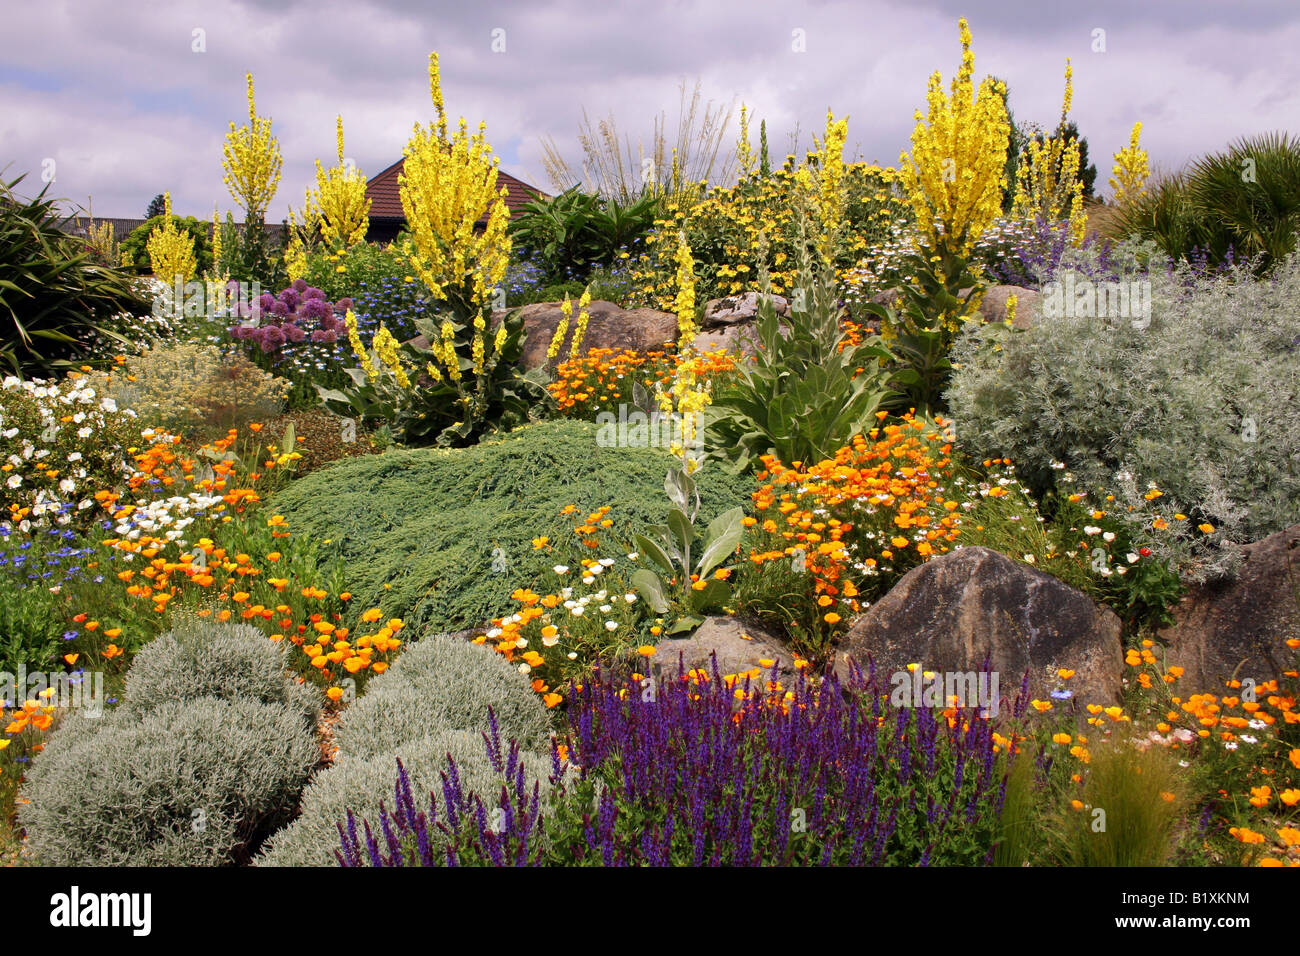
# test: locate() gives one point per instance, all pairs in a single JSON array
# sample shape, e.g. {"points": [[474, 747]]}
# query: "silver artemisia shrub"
{"points": [[194, 783], [1198, 396], [362, 785], [441, 682], [208, 659]]}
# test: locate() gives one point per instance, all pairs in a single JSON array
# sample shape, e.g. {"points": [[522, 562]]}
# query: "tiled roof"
{"points": [[385, 203]]}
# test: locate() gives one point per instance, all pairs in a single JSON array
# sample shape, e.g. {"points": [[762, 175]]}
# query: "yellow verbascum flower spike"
{"points": [[251, 161], [170, 250]]}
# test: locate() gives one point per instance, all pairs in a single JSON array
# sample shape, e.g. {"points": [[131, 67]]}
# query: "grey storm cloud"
{"points": [[116, 96]]}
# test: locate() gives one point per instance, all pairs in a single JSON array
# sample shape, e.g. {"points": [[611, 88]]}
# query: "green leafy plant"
{"points": [[575, 232], [941, 295], [1232, 205], [53, 297], [808, 391], [135, 247], [452, 406], [681, 581]]}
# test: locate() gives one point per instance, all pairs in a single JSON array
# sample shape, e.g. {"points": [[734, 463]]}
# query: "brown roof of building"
{"points": [[386, 203]]}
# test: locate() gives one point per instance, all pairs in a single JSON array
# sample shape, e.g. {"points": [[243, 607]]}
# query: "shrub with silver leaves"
{"points": [[194, 783], [208, 659], [361, 785], [441, 682], [1201, 400]]}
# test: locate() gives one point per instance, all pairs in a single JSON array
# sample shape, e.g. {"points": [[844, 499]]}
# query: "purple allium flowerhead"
{"points": [[299, 285], [290, 299], [239, 332], [272, 338], [342, 305], [281, 309], [325, 336], [244, 310], [315, 309], [293, 332], [312, 292], [329, 323], [267, 301]]}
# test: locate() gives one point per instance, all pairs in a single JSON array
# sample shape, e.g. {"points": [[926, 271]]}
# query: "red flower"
{"points": [[1145, 552]]}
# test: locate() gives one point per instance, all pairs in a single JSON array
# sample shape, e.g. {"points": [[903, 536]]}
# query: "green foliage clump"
{"points": [[446, 682], [223, 661], [365, 265], [361, 785], [573, 233], [189, 783], [195, 390], [807, 392], [53, 297], [421, 531], [1233, 205], [135, 247], [1198, 399], [1132, 805]]}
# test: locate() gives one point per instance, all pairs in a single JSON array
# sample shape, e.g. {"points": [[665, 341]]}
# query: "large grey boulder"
{"points": [[739, 309], [1239, 627], [951, 613], [739, 648]]}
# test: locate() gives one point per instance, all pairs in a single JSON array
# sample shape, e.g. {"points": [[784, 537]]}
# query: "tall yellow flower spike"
{"points": [[561, 328], [830, 194], [580, 329], [251, 161], [341, 197], [744, 152], [1131, 170], [955, 176], [685, 293], [359, 349], [170, 249], [1047, 180], [447, 185]]}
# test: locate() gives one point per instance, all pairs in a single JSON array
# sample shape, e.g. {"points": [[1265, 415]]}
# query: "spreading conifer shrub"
{"points": [[443, 536]]}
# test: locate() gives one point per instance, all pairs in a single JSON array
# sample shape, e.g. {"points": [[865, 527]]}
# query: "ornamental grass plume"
{"points": [[955, 177], [251, 161], [1131, 170], [171, 249]]}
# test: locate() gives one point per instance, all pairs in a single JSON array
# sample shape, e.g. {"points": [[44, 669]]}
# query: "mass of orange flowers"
{"points": [[878, 508], [603, 378]]}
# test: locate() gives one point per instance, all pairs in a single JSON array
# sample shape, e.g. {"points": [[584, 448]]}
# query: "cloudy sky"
{"points": [[121, 100]]}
